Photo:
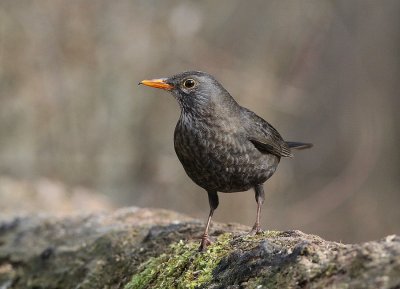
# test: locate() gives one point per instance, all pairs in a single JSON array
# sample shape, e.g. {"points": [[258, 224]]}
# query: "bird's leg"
{"points": [[213, 200], [205, 240], [260, 197]]}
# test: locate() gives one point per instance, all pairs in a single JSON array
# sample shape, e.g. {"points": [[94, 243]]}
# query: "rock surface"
{"points": [[148, 248]]}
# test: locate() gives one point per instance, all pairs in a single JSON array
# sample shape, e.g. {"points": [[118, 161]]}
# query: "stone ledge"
{"points": [[150, 248]]}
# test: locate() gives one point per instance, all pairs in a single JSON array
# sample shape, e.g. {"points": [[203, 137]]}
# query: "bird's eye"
{"points": [[189, 83]]}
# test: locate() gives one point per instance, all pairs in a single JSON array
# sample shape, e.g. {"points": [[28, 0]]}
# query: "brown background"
{"points": [[327, 72]]}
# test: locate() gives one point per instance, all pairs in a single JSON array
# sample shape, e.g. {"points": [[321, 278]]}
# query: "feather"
{"points": [[299, 145]]}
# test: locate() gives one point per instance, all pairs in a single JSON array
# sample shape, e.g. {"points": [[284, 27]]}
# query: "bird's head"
{"points": [[192, 89]]}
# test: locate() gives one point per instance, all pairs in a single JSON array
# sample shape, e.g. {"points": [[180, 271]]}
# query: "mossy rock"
{"points": [[142, 248]]}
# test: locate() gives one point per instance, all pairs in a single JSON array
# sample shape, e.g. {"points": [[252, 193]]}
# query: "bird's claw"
{"points": [[205, 242], [256, 230]]}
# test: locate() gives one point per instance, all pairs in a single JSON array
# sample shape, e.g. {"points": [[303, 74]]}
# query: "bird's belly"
{"points": [[224, 163]]}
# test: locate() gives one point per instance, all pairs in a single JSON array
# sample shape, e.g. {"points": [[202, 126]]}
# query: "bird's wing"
{"points": [[269, 146], [265, 137]]}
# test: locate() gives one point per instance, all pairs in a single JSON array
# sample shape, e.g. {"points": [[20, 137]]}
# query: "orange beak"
{"points": [[157, 83]]}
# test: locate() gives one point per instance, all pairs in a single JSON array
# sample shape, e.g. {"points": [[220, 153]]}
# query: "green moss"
{"points": [[247, 241], [270, 234], [182, 267]]}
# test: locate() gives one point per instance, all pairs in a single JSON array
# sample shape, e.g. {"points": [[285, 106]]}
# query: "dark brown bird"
{"points": [[222, 146]]}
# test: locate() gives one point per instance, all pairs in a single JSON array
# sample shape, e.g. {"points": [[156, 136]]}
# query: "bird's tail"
{"points": [[299, 145]]}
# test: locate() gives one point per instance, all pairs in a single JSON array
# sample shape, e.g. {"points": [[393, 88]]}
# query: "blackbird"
{"points": [[222, 146]]}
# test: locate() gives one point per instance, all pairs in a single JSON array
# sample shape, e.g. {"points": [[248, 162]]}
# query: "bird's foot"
{"points": [[205, 242], [255, 230]]}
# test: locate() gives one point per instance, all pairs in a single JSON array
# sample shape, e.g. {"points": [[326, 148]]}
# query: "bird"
{"points": [[222, 146]]}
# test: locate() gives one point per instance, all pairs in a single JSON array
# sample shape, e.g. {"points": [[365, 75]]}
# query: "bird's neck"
{"points": [[197, 111], [210, 113]]}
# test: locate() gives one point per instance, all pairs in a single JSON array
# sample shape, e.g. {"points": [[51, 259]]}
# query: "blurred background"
{"points": [[78, 134]]}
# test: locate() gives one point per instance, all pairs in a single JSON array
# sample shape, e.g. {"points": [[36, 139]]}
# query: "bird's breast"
{"points": [[218, 156]]}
